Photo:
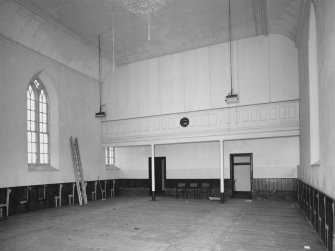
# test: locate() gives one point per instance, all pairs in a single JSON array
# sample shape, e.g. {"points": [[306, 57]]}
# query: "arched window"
{"points": [[37, 124], [313, 90]]}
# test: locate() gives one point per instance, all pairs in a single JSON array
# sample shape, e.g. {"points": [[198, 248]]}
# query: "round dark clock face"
{"points": [[184, 122]]}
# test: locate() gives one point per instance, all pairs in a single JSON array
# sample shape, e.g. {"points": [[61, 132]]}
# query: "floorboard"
{"points": [[137, 223]]}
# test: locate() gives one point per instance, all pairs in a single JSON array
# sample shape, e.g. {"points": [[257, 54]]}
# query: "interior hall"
{"points": [[167, 125]]}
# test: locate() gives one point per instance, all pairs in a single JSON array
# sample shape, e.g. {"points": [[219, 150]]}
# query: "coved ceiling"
{"points": [[178, 26]]}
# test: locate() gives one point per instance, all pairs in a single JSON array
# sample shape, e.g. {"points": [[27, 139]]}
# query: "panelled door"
{"points": [[241, 175]]}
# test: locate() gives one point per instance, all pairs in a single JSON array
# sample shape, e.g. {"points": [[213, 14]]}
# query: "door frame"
{"points": [[232, 165], [157, 159]]}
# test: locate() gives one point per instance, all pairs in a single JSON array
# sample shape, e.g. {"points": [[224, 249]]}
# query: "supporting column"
{"points": [[221, 173], [153, 171]]}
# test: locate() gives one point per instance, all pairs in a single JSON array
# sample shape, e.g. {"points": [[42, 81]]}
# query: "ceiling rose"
{"points": [[144, 6]]}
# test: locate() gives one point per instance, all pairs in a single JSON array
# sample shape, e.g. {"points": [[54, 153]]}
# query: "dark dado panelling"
{"points": [[37, 197], [132, 187], [141, 186], [263, 189], [214, 185], [172, 183], [133, 183], [319, 208], [275, 189]]}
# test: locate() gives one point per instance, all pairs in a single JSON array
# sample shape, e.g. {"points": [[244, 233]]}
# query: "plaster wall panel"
{"points": [[133, 161], [219, 74], [304, 107], [199, 79], [110, 95], [147, 80], [77, 120], [192, 160], [171, 84], [326, 49], [196, 79], [13, 124], [128, 92], [283, 69], [252, 79]]}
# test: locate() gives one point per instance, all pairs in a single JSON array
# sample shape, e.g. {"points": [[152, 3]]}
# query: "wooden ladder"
{"points": [[78, 171]]}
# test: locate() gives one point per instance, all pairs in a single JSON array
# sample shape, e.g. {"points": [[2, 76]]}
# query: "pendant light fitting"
{"points": [[231, 97], [101, 113]]}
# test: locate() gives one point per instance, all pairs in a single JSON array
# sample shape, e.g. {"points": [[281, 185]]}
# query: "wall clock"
{"points": [[184, 122]]}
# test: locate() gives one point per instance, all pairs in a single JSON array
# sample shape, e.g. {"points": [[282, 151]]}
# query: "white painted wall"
{"points": [[133, 161], [322, 176], [198, 160], [31, 45], [272, 158], [78, 98], [193, 161], [265, 70]]}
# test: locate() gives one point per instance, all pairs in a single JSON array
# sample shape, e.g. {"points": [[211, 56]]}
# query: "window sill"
{"points": [[41, 168], [112, 167], [315, 164]]}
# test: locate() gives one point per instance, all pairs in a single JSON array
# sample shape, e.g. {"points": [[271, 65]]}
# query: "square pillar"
{"points": [[153, 171], [221, 172]]}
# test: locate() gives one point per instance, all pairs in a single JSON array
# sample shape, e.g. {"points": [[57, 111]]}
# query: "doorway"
{"points": [[160, 175], [241, 175]]}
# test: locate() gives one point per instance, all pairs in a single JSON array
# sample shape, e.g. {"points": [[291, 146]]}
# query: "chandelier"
{"points": [[143, 6]]}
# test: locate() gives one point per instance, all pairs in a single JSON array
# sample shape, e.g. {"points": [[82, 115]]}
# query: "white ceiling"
{"points": [[179, 25]]}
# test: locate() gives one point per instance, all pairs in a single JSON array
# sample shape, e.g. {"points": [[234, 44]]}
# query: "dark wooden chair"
{"points": [[193, 191], [113, 189], [58, 197], [4, 206], [71, 195], [41, 194], [103, 190], [181, 189], [94, 192], [25, 198], [205, 190]]}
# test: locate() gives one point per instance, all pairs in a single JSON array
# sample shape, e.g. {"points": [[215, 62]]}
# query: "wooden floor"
{"points": [[128, 223]]}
